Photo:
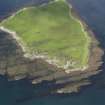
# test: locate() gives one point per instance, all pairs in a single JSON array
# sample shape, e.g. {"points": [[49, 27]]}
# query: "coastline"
{"points": [[93, 47], [96, 53]]}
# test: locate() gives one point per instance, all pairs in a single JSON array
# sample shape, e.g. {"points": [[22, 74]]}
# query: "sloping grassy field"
{"points": [[52, 30]]}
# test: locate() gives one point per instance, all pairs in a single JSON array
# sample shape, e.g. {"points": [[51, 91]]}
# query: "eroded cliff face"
{"points": [[15, 66]]}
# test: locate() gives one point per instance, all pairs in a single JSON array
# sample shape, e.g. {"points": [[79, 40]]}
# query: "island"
{"points": [[51, 36], [50, 32]]}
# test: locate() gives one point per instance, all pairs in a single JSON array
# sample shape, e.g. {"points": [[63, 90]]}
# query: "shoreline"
{"points": [[94, 41]]}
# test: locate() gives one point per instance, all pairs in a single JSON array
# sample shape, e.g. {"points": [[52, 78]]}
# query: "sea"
{"points": [[22, 92]]}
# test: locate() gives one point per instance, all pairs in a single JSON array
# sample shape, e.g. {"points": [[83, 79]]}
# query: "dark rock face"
{"points": [[15, 66], [8, 54]]}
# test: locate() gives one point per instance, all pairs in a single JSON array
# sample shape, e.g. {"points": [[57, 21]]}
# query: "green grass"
{"points": [[52, 29]]}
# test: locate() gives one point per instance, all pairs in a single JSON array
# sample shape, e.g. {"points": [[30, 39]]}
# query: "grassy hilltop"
{"points": [[52, 29]]}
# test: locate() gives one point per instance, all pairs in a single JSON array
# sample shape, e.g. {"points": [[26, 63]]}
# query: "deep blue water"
{"points": [[9, 6], [23, 93]]}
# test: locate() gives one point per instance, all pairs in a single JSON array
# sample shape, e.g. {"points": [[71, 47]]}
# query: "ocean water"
{"points": [[22, 92]]}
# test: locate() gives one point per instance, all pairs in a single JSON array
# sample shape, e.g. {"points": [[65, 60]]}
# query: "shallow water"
{"points": [[23, 93]]}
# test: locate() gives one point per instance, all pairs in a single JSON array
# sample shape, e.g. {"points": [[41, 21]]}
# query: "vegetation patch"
{"points": [[51, 30]]}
